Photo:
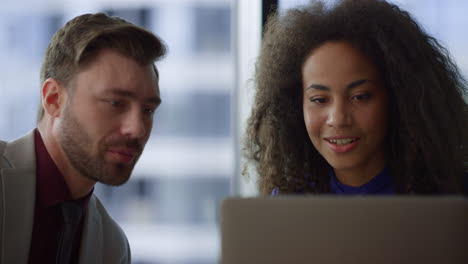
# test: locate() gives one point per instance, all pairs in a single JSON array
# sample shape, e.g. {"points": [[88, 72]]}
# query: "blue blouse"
{"points": [[380, 184]]}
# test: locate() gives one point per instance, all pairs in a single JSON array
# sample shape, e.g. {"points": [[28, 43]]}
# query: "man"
{"points": [[99, 91]]}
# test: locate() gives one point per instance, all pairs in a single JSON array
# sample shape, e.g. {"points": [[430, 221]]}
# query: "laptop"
{"points": [[343, 229]]}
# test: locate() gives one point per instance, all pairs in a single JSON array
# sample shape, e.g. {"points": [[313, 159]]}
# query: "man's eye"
{"points": [[149, 111], [115, 103]]}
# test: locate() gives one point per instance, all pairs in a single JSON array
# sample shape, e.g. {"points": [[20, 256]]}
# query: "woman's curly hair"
{"points": [[426, 143]]}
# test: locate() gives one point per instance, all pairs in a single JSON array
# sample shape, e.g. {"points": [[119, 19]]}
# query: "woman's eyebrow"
{"points": [[357, 83], [350, 86], [318, 87]]}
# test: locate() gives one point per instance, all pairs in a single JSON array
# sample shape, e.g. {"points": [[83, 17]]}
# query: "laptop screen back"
{"points": [[337, 229]]}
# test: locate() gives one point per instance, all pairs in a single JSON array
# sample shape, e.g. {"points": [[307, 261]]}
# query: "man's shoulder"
{"points": [[19, 152], [3, 160]]}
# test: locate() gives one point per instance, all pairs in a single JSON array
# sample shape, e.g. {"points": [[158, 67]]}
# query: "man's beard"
{"points": [[75, 140]]}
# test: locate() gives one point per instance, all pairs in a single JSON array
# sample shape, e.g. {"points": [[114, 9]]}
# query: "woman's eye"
{"points": [[318, 100], [361, 97]]}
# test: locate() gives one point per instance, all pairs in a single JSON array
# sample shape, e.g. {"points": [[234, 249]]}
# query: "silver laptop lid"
{"points": [[338, 229]]}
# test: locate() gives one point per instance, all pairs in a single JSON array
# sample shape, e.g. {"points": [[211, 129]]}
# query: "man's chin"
{"points": [[115, 174], [114, 181]]}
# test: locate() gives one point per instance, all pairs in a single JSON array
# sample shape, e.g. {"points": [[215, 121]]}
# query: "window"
{"points": [[210, 28]]}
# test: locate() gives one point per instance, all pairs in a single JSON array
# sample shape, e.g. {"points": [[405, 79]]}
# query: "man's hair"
{"points": [[426, 140], [77, 44]]}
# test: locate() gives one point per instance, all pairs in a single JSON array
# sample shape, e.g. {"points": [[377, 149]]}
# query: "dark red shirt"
{"points": [[51, 190]]}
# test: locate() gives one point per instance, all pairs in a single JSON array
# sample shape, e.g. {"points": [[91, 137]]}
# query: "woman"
{"points": [[356, 98]]}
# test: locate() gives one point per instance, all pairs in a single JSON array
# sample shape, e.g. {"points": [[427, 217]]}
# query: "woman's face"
{"points": [[345, 111]]}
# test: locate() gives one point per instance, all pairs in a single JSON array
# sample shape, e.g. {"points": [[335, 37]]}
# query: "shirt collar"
{"points": [[51, 188]]}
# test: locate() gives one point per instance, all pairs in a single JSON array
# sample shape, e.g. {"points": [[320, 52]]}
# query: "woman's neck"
{"points": [[358, 176]]}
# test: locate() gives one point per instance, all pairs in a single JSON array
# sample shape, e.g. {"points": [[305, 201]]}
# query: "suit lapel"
{"points": [[19, 196], [18, 185], [91, 241]]}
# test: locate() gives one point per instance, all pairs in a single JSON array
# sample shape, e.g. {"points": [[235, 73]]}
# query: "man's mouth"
{"points": [[123, 154]]}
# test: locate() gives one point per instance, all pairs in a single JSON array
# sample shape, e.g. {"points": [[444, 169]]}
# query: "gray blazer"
{"points": [[102, 239]]}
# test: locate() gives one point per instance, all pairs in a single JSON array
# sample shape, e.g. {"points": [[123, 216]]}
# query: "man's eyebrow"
{"points": [[124, 93]]}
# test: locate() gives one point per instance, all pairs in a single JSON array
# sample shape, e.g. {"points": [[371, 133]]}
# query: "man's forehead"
{"points": [[156, 79], [156, 83]]}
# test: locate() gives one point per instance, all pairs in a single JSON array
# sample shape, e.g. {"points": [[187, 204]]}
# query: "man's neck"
{"points": [[78, 184]]}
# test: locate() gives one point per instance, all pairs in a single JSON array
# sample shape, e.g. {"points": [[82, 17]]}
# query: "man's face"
{"points": [[108, 117]]}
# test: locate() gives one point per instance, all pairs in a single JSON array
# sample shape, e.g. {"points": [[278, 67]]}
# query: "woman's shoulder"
{"points": [[275, 191], [465, 183]]}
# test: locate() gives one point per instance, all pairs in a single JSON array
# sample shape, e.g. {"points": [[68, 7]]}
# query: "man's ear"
{"points": [[53, 97]]}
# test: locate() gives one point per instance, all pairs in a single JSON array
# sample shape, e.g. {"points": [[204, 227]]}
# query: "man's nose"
{"points": [[133, 125]]}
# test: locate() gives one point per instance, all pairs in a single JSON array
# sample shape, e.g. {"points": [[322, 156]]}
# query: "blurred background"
{"points": [[169, 208]]}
